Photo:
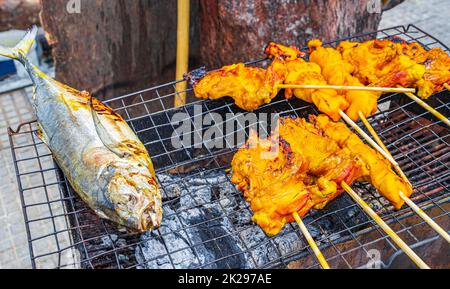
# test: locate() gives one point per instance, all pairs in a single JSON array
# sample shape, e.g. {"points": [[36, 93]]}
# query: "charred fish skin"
{"points": [[115, 177]]}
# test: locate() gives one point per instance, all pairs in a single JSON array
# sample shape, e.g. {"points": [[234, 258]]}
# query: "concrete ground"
{"points": [[14, 109], [431, 16]]}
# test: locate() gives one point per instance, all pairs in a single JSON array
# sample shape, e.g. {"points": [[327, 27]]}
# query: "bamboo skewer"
{"points": [[366, 207], [323, 262], [408, 251], [407, 200], [425, 217], [381, 144], [344, 87], [423, 104], [368, 138], [182, 50], [381, 148]]}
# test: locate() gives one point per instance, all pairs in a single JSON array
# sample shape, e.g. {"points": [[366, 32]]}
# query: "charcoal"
{"points": [[109, 240], [207, 224]]}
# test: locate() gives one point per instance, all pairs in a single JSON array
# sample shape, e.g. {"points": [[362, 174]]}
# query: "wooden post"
{"points": [[113, 47], [18, 14], [238, 30], [182, 50]]}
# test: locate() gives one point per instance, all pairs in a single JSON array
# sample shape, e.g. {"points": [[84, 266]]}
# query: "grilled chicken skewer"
{"points": [[326, 66], [104, 161], [399, 63], [304, 166], [251, 86], [391, 65], [336, 71], [403, 63], [407, 200], [301, 167], [379, 146]]}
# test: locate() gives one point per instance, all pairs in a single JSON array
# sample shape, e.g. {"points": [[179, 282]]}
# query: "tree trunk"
{"points": [[113, 47], [18, 14], [238, 30]]}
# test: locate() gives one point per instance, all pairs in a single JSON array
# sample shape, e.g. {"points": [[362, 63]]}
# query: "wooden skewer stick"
{"points": [[407, 200], [381, 144], [425, 217], [182, 50], [367, 138], [323, 262], [434, 112], [344, 87], [408, 251]]}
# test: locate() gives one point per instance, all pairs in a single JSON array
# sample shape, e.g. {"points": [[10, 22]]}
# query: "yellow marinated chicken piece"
{"points": [[382, 63], [250, 87], [274, 188], [413, 50], [374, 168], [278, 51], [326, 100], [302, 172], [368, 57], [336, 71], [390, 63], [302, 72], [437, 72]]}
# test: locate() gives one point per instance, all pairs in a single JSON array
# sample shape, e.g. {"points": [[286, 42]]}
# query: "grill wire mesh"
{"points": [[207, 223]]}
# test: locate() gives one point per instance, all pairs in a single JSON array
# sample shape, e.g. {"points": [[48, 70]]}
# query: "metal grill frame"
{"points": [[149, 112]]}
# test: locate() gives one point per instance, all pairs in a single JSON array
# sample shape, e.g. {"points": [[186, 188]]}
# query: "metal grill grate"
{"points": [[207, 223]]}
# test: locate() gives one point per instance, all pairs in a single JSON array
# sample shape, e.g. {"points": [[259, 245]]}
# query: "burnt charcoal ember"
{"points": [[207, 224], [288, 243], [198, 233], [265, 250]]}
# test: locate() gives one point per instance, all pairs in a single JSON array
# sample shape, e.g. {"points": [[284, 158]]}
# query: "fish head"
{"points": [[134, 195]]}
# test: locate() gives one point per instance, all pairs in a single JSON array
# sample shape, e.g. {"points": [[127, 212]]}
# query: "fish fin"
{"points": [[115, 146], [103, 134], [22, 48]]}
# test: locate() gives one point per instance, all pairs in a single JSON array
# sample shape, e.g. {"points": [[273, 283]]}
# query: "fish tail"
{"points": [[20, 51]]}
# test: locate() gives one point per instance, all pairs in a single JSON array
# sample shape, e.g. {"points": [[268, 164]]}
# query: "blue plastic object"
{"points": [[7, 67]]}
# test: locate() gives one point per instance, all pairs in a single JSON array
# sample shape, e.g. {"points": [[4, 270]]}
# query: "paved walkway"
{"points": [[15, 108], [431, 16]]}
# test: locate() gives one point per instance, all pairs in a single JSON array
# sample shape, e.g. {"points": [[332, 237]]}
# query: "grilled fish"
{"points": [[104, 161]]}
